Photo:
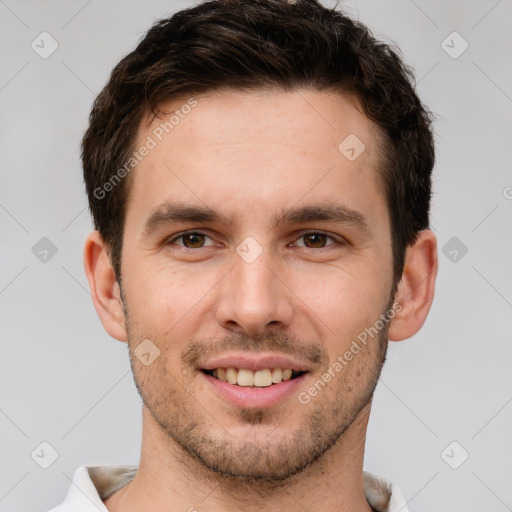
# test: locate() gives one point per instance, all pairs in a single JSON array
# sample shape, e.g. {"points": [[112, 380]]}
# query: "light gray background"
{"points": [[63, 380]]}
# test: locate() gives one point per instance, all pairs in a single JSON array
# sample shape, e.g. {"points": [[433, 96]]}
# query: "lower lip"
{"points": [[253, 397]]}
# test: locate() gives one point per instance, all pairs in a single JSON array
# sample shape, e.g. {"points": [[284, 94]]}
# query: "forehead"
{"points": [[318, 118], [262, 145]]}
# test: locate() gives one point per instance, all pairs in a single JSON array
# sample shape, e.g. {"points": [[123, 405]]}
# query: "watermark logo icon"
{"points": [[146, 352], [351, 147], [454, 45], [455, 455], [44, 45], [249, 250], [454, 250], [44, 250], [44, 455]]}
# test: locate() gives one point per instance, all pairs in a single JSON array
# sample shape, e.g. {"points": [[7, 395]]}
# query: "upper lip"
{"points": [[253, 362]]}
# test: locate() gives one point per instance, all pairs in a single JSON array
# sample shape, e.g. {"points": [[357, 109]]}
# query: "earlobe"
{"points": [[415, 291], [104, 287]]}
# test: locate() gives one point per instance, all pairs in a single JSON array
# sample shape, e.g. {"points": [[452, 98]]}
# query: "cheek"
{"points": [[167, 305], [344, 307], [343, 299], [167, 292]]}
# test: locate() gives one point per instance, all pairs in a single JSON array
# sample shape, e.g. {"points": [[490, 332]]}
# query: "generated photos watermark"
{"points": [[157, 135], [342, 360]]}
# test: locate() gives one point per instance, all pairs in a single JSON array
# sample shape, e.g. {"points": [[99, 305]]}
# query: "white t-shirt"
{"points": [[93, 484]]}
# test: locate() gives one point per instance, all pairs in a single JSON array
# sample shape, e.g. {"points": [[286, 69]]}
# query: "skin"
{"points": [[251, 155]]}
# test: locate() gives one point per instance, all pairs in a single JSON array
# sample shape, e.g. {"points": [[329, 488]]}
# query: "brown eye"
{"points": [[191, 240], [316, 240]]}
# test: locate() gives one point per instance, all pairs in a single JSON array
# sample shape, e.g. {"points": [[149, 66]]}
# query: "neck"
{"points": [[170, 479]]}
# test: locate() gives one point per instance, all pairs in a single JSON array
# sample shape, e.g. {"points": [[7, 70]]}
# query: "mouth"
{"points": [[248, 389], [245, 377]]}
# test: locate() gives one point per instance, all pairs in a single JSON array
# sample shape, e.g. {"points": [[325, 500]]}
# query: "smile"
{"points": [[248, 378]]}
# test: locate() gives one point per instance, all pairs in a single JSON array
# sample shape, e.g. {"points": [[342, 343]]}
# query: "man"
{"points": [[259, 174]]}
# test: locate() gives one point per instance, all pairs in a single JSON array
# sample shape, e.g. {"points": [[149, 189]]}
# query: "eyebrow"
{"points": [[169, 213]]}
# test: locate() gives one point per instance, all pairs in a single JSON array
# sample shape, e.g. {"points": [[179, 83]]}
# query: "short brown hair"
{"points": [[249, 45]]}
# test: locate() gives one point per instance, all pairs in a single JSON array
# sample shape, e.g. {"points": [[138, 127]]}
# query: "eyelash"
{"points": [[301, 234]]}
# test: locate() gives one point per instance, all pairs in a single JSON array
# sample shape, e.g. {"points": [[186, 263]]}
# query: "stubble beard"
{"points": [[268, 454]]}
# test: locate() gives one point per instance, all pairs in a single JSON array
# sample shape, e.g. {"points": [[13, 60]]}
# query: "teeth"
{"points": [[260, 378], [263, 378], [232, 375], [245, 377], [277, 375]]}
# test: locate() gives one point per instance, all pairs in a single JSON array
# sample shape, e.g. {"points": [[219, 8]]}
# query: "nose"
{"points": [[254, 297]]}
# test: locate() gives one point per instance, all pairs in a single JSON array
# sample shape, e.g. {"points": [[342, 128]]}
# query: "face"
{"points": [[253, 242]]}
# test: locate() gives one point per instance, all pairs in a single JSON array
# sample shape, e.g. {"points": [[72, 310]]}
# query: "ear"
{"points": [[104, 287], [415, 291]]}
